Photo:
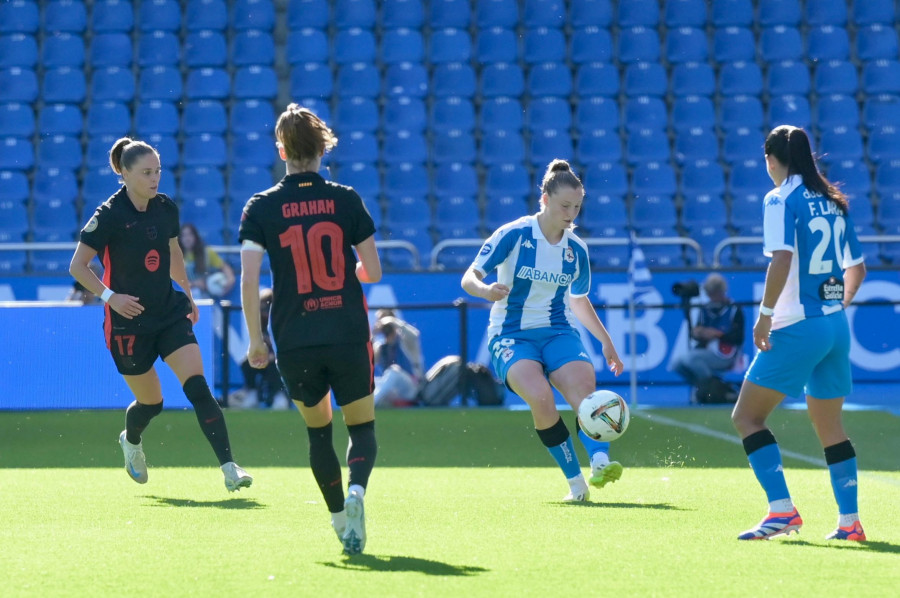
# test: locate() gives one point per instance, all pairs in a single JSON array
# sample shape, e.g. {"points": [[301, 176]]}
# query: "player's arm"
{"points": [[368, 268], [178, 273], [584, 311], [473, 283], [776, 277], [853, 279], [124, 305], [251, 264]]}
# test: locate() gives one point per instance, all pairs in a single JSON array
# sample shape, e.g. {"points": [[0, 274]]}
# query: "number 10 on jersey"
{"points": [[310, 260]]}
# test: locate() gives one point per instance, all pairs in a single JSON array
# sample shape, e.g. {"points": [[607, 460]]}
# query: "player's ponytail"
{"points": [[303, 135], [790, 146], [559, 174], [125, 151]]}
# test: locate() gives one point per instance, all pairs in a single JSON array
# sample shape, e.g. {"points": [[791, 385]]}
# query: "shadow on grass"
{"points": [[371, 562], [228, 503], [618, 505], [870, 545]]}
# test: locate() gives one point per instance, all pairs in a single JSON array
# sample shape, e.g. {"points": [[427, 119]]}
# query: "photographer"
{"points": [[719, 335], [398, 360]]}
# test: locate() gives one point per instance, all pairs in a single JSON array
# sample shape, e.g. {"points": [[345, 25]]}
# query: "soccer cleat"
{"points": [[774, 524], [578, 494], [851, 532], [354, 538], [235, 477], [135, 463], [339, 524], [610, 472]]}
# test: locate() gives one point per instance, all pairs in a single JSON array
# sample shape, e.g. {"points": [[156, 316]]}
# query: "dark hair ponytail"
{"points": [[559, 174], [125, 151], [790, 146]]}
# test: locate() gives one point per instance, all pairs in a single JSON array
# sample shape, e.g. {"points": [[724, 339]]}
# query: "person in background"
{"points": [[201, 261], [399, 365], [802, 332], [541, 293], [261, 386], [79, 294], [135, 234]]}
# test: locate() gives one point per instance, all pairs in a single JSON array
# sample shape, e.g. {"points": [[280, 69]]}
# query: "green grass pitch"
{"points": [[462, 503]]}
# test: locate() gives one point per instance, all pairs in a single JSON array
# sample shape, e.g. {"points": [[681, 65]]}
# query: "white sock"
{"points": [[577, 483], [599, 460], [358, 489], [785, 505], [848, 519]]}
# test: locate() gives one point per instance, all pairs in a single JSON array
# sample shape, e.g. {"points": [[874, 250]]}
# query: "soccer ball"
{"points": [[604, 415], [215, 284]]}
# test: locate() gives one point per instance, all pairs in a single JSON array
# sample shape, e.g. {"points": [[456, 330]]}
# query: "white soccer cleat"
{"points": [[354, 538], [339, 524], [135, 463], [578, 494], [235, 477]]}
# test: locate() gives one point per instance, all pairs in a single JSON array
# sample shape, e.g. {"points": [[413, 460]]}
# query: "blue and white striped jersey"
{"points": [[821, 237], [541, 276]]}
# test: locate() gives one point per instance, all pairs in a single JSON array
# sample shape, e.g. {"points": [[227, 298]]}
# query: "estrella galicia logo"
{"points": [[486, 249], [832, 289], [151, 233]]}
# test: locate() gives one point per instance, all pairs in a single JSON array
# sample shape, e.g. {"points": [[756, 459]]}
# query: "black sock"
{"points": [[210, 417], [325, 467], [137, 418], [361, 452]]}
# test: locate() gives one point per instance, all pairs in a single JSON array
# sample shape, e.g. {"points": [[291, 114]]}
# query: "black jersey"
{"points": [[309, 226], [134, 249]]}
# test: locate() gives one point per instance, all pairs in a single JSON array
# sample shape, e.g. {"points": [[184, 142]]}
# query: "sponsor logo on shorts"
{"points": [[506, 355]]}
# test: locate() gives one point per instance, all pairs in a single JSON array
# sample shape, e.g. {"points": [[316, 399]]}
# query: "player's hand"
{"points": [[125, 305], [496, 292], [194, 316], [761, 331], [258, 354], [612, 360]]}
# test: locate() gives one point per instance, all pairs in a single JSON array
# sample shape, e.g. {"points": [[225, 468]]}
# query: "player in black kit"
{"points": [[309, 227], [135, 232]]}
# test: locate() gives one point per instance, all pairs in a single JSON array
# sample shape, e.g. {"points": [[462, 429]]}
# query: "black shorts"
{"points": [[309, 372], [135, 354]]}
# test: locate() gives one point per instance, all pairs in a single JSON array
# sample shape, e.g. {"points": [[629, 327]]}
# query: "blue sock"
{"points": [[592, 446], [559, 442], [841, 459], [765, 459]]}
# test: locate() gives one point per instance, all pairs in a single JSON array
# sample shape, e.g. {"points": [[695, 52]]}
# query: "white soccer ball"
{"points": [[604, 415], [216, 283]]}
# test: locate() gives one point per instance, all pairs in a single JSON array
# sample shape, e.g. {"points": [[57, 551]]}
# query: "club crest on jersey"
{"points": [[569, 255], [92, 225], [151, 233]]}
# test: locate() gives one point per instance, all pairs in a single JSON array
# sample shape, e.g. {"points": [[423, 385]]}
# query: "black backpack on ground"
{"points": [[448, 379], [714, 390]]}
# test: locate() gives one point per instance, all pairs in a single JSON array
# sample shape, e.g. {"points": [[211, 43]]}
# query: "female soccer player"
{"points": [[543, 281], [309, 227], [802, 332], [136, 234]]}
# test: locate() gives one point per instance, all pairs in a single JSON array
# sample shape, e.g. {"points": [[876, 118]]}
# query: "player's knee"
{"points": [[197, 391]]}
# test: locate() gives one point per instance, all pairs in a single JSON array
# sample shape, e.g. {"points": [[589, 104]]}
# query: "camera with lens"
{"points": [[686, 289]]}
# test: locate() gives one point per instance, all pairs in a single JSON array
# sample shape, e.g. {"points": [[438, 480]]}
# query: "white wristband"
{"points": [[766, 311], [106, 295]]}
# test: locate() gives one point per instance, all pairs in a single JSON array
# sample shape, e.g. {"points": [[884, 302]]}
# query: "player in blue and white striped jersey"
{"points": [[543, 280], [802, 332]]}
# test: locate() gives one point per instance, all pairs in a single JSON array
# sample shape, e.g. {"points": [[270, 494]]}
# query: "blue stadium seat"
{"points": [[709, 235], [65, 85], [207, 215], [638, 44], [544, 13], [597, 79], [206, 15], [599, 212], [686, 44], [691, 112], [836, 110], [160, 83], [502, 80], [651, 211], [253, 149], [646, 79], [205, 49], [780, 43], [496, 44], [501, 114], [51, 262], [836, 76], [206, 116], [406, 180], [694, 144], [884, 144], [840, 144], [826, 12], [497, 13], [854, 177], [158, 48], [747, 213], [599, 145], [355, 13], [97, 186], [255, 82], [455, 179], [454, 146], [457, 210], [703, 177], [644, 112], [876, 42], [740, 78], [668, 255], [882, 110], [112, 15], [156, 117], [638, 13], [452, 113], [453, 79], [654, 179], [742, 144], [201, 182], [399, 259], [19, 50], [598, 112], [544, 44], [591, 44], [454, 14], [870, 12], [608, 256], [253, 47], [167, 181], [586, 13], [748, 179], [362, 176], [112, 83], [500, 147], [358, 146], [54, 186], [159, 15], [253, 14], [207, 84], [19, 17], [549, 113], [779, 12], [404, 146], [548, 145], [14, 189], [734, 44], [507, 179], [404, 113], [204, 150], [605, 179], [16, 154], [685, 13], [402, 13], [311, 45], [549, 79], [65, 16], [352, 114], [828, 43], [59, 152], [110, 49], [695, 78], [502, 209], [311, 80], [402, 45], [450, 45], [96, 152], [13, 221], [406, 79], [881, 76], [60, 119], [358, 79], [703, 208], [793, 109], [751, 255], [16, 120], [63, 49], [244, 182], [320, 107]]}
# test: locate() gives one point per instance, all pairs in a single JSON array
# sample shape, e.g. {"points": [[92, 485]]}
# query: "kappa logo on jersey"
{"points": [[774, 201], [152, 233], [151, 260], [527, 243], [569, 255], [486, 249], [558, 278], [92, 224], [583, 354]]}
